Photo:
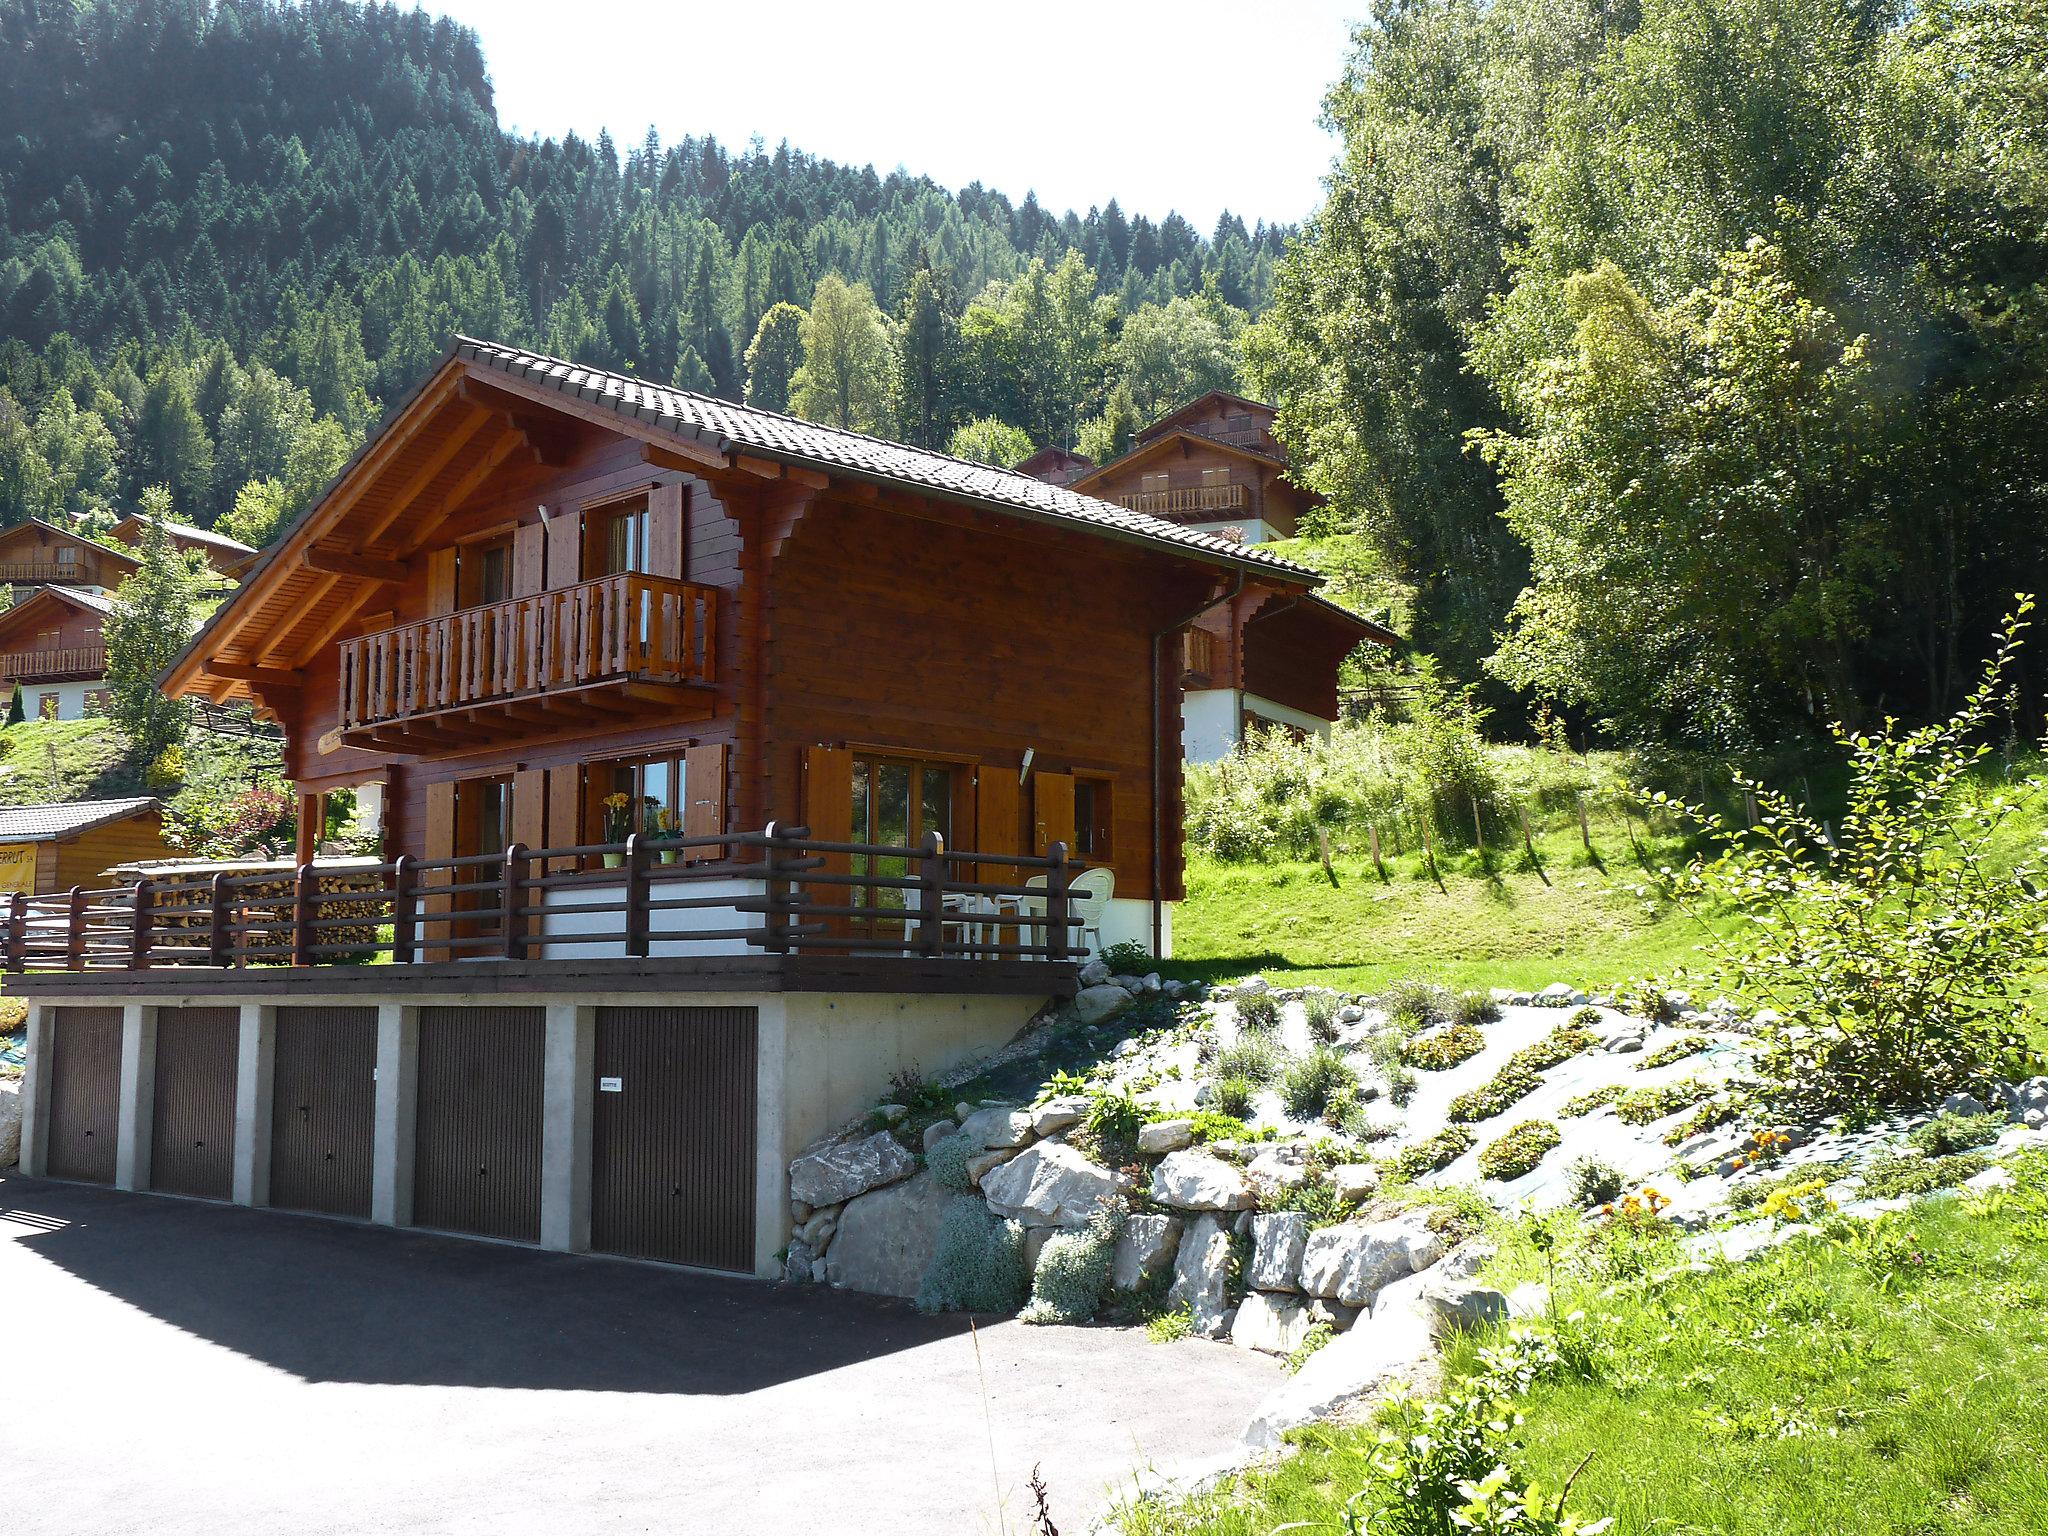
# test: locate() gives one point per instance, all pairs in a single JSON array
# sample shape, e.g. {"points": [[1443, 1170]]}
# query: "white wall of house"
{"points": [[1252, 530], [70, 697], [1211, 721]]}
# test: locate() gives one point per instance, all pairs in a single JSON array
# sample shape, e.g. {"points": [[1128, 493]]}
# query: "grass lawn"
{"points": [[47, 760], [1588, 919], [1888, 1381]]}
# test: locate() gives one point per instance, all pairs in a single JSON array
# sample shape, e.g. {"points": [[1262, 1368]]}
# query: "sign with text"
{"points": [[17, 868]]}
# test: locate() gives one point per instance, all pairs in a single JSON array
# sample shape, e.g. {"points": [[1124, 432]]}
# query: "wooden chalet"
{"points": [[50, 848], [228, 557], [1213, 465], [36, 553], [53, 647]]}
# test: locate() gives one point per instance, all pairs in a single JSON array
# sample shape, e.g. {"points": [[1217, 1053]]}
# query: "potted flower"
{"points": [[663, 824], [618, 824]]}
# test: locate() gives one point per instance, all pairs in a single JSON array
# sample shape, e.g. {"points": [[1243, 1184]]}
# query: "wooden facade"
{"points": [[53, 635], [41, 554], [520, 600], [1213, 463], [228, 557]]}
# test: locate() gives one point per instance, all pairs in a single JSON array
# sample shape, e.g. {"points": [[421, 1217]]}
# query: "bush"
{"points": [[978, 1264], [1895, 953], [1113, 1121], [1234, 1097], [1310, 1084], [1595, 1182], [1413, 1005], [948, 1163], [1499, 1093], [1207, 1125], [1439, 1151], [1948, 1132], [1586, 1103], [1518, 1151], [1254, 1057], [1127, 957], [1073, 1271], [1169, 1327], [1640, 1106], [1258, 1012], [1443, 1049], [1474, 1008], [1887, 1178], [1320, 1009], [1670, 1052]]}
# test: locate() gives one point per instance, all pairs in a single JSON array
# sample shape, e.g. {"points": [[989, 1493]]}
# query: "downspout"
{"points": [[1158, 761]]}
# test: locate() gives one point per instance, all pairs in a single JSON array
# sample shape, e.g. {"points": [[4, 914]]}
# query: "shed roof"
{"points": [[42, 823]]}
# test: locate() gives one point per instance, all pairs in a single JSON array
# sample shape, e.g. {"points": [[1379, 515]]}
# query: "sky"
{"points": [[1188, 105]]}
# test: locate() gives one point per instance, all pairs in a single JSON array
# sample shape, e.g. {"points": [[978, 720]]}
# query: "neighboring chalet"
{"points": [[53, 647], [1264, 659], [34, 553], [729, 764], [228, 557], [49, 848]]}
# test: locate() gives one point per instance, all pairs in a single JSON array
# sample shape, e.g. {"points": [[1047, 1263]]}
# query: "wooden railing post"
{"points": [[637, 915], [512, 889], [217, 922], [405, 909], [17, 932], [931, 895], [1057, 933], [776, 921], [304, 885], [138, 931], [74, 935]]}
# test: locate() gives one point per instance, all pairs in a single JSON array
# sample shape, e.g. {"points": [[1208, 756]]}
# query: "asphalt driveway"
{"points": [[169, 1366]]}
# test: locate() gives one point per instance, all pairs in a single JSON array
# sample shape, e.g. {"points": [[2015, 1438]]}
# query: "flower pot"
{"points": [[669, 855], [615, 861]]}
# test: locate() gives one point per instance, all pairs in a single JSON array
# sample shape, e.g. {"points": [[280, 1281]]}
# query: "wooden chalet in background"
{"points": [[53, 647], [34, 553], [228, 557]]}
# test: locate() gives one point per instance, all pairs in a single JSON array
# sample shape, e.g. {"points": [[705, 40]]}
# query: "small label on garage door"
{"points": [[611, 1085]]}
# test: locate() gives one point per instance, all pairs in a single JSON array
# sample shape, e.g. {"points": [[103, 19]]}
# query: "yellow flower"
{"points": [[617, 801]]}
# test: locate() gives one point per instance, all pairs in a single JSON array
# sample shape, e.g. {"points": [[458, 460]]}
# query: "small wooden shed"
{"points": [[46, 848]]}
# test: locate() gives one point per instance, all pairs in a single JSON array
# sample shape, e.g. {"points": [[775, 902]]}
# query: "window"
{"points": [[895, 802], [483, 572], [654, 791], [66, 555], [1094, 820], [46, 706], [616, 540]]}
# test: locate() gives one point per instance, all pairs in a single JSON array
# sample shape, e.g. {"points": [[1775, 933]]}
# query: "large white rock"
{"points": [[1352, 1262], [884, 1240], [826, 1173], [1048, 1185], [998, 1126], [1057, 1114], [1195, 1180], [10, 1123], [1094, 1004], [1201, 1276], [1145, 1249], [1163, 1136], [1277, 1244], [1355, 1182], [1273, 1324], [1278, 1169], [1460, 1305], [1350, 1375]]}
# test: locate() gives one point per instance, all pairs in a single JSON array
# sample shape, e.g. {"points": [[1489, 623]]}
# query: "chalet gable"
{"points": [[49, 608]]}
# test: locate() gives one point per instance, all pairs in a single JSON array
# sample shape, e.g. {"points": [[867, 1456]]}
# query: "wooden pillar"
{"points": [[312, 818]]}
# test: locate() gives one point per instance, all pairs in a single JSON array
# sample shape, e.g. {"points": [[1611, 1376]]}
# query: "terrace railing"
{"points": [[63, 661], [1192, 498], [795, 895]]}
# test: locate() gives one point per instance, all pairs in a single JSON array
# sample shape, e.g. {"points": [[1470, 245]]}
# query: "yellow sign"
{"points": [[17, 868]]}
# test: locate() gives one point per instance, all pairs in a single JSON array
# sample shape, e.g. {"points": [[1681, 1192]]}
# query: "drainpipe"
{"points": [[1158, 760]]}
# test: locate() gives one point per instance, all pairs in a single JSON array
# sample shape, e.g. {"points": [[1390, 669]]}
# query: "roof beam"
{"points": [[491, 462], [457, 439], [331, 561], [249, 672]]}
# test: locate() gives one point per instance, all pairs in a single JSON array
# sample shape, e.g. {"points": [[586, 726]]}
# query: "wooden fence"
{"points": [[797, 895]]}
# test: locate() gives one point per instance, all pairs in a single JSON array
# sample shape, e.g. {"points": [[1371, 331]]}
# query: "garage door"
{"points": [[85, 1093], [192, 1135], [476, 1162], [323, 1110], [672, 1173]]}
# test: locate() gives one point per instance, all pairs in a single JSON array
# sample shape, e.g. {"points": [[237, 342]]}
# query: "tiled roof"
{"points": [[187, 531], [722, 425], [36, 823]]}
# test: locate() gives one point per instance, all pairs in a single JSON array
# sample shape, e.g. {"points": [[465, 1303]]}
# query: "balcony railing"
{"points": [[628, 627], [43, 666], [1198, 654], [47, 572], [795, 895], [1194, 498]]}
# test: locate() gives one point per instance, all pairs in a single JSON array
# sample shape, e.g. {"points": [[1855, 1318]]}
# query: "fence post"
{"points": [[1585, 828], [217, 920], [405, 906], [1057, 933], [1478, 832], [636, 897], [74, 937], [303, 887], [511, 900], [138, 931], [17, 932], [775, 935], [931, 880], [1528, 838], [1372, 832]]}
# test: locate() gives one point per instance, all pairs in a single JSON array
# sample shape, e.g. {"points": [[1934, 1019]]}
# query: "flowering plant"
{"points": [[618, 819]]}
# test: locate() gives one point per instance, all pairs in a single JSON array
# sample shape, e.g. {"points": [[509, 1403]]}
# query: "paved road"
{"points": [[173, 1366]]}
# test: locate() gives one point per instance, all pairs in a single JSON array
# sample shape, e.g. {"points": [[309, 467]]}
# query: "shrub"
{"points": [[977, 1265], [1587, 1102], [1258, 1012], [1253, 1057], [1073, 1271], [948, 1163], [1896, 952], [1518, 1151], [1640, 1106], [1168, 1327], [1113, 1121], [1948, 1132], [1562, 1043], [1506, 1088], [1594, 1182], [1671, 1051], [1320, 1009], [1439, 1151], [1444, 1048], [1234, 1097], [1473, 1008], [1127, 957], [1207, 1125], [1311, 1083], [1887, 1178], [1413, 1005]]}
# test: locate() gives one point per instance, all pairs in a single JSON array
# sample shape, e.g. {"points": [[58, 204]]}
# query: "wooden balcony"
{"points": [[1199, 658], [1186, 500], [47, 573], [577, 656], [54, 665]]}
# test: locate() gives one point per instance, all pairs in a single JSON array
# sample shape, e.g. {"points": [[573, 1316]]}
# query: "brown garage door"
{"points": [[476, 1160], [672, 1174], [85, 1093], [323, 1110], [192, 1136]]}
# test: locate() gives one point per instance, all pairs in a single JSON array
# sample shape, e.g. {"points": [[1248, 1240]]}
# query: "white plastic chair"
{"points": [[1088, 896]]}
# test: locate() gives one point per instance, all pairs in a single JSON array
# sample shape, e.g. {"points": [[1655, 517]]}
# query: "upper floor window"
{"points": [[616, 540], [484, 572]]}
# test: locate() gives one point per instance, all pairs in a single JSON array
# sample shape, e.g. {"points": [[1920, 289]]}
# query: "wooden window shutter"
{"points": [[441, 582], [1052, 811], [530, 807], [704, 803], [828, 812], [665, 532], [529, 559], [565, 813], [565, 549], [440, 844], [998, 820]]}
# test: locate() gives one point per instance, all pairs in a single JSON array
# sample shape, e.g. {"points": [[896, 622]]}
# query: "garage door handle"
{"points": [[483, 1173]]}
